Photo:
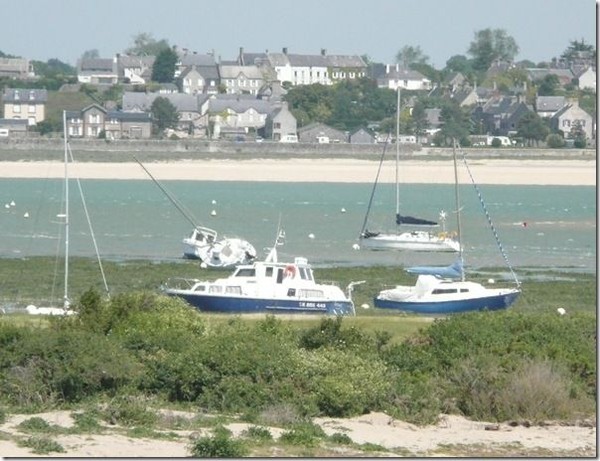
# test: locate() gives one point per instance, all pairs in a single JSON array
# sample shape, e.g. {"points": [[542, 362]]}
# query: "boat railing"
{"points": [[179, 283]]}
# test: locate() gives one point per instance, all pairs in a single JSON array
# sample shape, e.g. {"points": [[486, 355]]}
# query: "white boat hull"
{"points": [[412, 241]]}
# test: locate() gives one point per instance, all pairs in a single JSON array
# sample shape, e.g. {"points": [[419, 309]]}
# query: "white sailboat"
{"points": [[412, 240], [66, 302], [445, 290], [203, 242]]}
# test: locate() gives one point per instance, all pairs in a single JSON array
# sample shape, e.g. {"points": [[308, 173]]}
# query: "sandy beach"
{"points": [[451, 436], [488, 171]]}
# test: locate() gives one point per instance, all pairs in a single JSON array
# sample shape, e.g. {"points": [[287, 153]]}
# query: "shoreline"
{"points": [[484, 171]]}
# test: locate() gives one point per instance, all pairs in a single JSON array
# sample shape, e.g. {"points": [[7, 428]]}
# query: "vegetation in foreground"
{"points": [[140, 350]]}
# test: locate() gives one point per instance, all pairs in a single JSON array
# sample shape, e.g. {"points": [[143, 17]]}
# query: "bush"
{"points": [[219, 446], [305, 434], [555, 141]]}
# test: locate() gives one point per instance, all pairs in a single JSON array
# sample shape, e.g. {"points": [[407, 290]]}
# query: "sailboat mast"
{"points": [[397, 153], [65, 135], [457, 199]]}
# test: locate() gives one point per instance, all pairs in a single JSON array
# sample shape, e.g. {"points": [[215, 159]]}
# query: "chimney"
{"points": [[323, 51], [387, 68], [241, 56], [285, 50]]}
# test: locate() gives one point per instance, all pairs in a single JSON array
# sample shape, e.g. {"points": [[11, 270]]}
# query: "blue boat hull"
{"points": [[258, 305], [491, 303]]}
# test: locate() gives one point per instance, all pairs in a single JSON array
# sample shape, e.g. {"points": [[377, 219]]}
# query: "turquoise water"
{"points": [[134, 219]]}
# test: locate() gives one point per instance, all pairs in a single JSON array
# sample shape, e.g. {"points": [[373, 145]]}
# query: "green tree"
{"points": [[456, 123], [549, 85], [579, 50], [163, 70], [419, 117], [531, 127], [145, 45], [164, 115], [460, 63], [409, 55], [489, 45], [90, 54]]}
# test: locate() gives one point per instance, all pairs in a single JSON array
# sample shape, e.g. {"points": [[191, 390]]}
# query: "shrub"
{"points": [[258, 433], [41, 445], [219, 446], [555, 141], [306, 434], [496, 142], [129, 411], [537, 390], [340, 438]]}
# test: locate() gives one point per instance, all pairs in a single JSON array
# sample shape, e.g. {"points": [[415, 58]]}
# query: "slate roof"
{"points": [[199, 60], [96, 64], [12, 95], [338, 60], [234, 71], [549, 103], [133, 101], [239, 105]]}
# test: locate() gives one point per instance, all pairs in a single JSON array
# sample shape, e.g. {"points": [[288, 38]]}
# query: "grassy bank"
{"points": [[39, 281]]}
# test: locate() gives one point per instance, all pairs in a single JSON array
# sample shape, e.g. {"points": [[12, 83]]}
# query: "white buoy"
{"points": [[213, 213], [12, 203], [214, 202], [343, 210], [356, 246], [6, 205], [561, 311], [26, 215], [365, 306], [311, 236], [203, 265], [491, 281]]}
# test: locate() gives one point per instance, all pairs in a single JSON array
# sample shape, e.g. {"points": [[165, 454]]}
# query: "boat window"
{"points": [[269, 271], [444, 291], [291, 292], [280, 275], [250, 272], [310, 294], [200, 288], [215, 289], [236, 290], [464, 290], [303, 274]]}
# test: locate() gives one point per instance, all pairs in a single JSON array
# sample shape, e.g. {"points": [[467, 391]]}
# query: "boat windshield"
{"points": [[245, 272]]}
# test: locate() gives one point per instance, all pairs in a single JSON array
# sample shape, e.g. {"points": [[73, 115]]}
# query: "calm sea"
{"points": [[538, 226]]}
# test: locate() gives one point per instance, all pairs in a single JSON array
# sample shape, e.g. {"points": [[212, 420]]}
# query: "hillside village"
{"points": [[244, 99]]}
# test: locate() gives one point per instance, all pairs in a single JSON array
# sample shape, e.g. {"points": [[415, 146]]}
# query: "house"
{"points": [[245, 113], [17, 68], [321, 134], [500, 116], [362, 136], [396, 77], [11, 128], [280, 125], [197, 73], [191, 120], [571, 119], [98, 71], [306, 69], [135, 69], [565, 76], [587, 79], [241, 79], [547, 106], [25, 104], [93, 120]]}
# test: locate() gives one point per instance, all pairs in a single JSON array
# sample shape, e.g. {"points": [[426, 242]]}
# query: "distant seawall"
{"points": [[156, 150]]}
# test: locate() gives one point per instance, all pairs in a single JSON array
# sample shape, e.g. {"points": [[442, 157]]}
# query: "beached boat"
{"points": [[444, 290], [415, 239], [267, 286], [203, 242]]}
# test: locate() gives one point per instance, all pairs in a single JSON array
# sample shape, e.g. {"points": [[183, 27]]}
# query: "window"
{"points": [[31, 109], [307, 293], [233, 290], [245, 273], [276, 125], [94, 118], [215, 289], [269, 272], [17, 108], [444, 291]]}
